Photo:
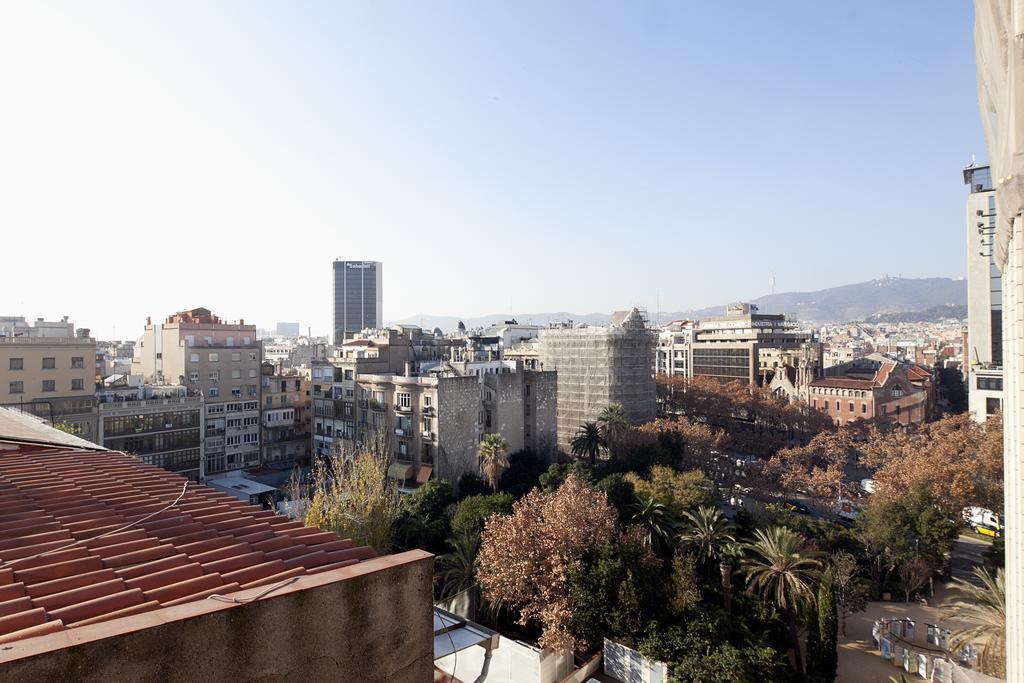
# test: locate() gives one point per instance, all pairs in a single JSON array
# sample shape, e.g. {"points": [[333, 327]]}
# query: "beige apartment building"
{"points": [[220, 361], [47, 370], [285, 415]]}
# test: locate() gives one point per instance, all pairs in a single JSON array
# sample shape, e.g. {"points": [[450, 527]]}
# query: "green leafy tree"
{"points": [[620, 494], [781, 572], [679, 491], [471, 513], [850, 592], [472, 484], [706, 533], [493, 461], [826, 660], [712, 646], [523, 473], [685, 589], [614, 425], [556, 475], [588, 442], [813, 646], [423, 519], [983, 607]]}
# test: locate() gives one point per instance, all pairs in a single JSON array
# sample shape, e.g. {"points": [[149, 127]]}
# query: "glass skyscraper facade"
{"points": [[358, 297]]}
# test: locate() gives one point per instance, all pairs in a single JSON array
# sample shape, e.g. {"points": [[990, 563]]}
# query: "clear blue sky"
{"points": [[541, 156]]}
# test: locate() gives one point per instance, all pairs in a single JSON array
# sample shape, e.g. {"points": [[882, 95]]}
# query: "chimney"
{"points": [[241, 321], [408, 369], [149, 320]]}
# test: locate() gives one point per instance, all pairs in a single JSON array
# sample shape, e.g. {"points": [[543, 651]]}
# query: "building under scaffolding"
{"points": [[601, 365]]}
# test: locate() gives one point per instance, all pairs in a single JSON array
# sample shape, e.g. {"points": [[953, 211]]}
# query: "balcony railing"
{"points": [[376, 405], [402, 409]]}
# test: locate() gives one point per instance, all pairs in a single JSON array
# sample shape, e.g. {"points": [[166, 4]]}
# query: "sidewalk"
{"points": [[859, 661]]}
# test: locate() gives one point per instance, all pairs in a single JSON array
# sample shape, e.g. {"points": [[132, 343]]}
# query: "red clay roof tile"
{"points": [[88, 536]]}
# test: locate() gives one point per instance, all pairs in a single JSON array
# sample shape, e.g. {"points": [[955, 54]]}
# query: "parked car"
{"points": [[986, 530], [796, 506]]}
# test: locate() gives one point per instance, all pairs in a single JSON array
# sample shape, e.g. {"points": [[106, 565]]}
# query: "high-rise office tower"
{"points": [[358, 297], [983, 357]]}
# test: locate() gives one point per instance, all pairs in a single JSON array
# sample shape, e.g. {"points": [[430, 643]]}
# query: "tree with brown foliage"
{"points": [[819, 468], [526, 558], [755, 421], [959, 459]]}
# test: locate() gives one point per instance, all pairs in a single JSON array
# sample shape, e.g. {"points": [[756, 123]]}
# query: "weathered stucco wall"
{"points": [[374, 625], [458, 410]]}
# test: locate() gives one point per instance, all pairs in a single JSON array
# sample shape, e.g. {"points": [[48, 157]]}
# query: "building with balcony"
{"points": [[747, 346], [674, 340], [435, 421], [598, 366], [49, 370], [161, 425], [219, 360], [285, 415], [333, 376]]}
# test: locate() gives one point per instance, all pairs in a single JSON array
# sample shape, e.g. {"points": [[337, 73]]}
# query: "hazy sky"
{"points": [[534, 156]]}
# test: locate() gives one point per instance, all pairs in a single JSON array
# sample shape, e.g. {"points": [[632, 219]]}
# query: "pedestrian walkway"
{"points": [[859, 661]]}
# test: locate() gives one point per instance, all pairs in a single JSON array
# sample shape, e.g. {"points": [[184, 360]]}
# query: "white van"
{"points": [[976, 516]]}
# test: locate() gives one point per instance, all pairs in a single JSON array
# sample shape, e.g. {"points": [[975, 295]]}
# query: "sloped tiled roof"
{"points": [[844, 383], [66, 560]]}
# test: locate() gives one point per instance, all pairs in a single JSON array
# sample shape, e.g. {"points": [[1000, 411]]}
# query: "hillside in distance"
{"points": [[861, 301]]}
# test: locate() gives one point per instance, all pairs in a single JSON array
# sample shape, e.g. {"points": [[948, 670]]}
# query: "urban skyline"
{"points": [[464, 149]]}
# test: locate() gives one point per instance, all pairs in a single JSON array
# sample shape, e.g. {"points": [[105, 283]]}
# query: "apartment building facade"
{"points": [[285, 415], [983, 356], [598, 366], [435, 423], [48, 370], [161, 425], [221, 361], [674, 342]]}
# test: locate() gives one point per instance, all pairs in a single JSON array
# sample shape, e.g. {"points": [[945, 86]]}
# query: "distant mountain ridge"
{"points": [[860, 301]]}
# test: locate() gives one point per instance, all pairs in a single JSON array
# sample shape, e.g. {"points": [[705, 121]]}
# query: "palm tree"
{"points": [[614, 425], [782, 572], [656, 519], [588, 442], [493, 461], [984, 607], [707, 532], [457, 568]]}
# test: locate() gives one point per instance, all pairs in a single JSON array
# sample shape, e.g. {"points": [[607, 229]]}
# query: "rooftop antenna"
{"points": [[771, 283]]}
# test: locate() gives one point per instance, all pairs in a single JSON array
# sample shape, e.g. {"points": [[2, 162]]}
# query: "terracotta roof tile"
{"points": [[67, 558]]}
